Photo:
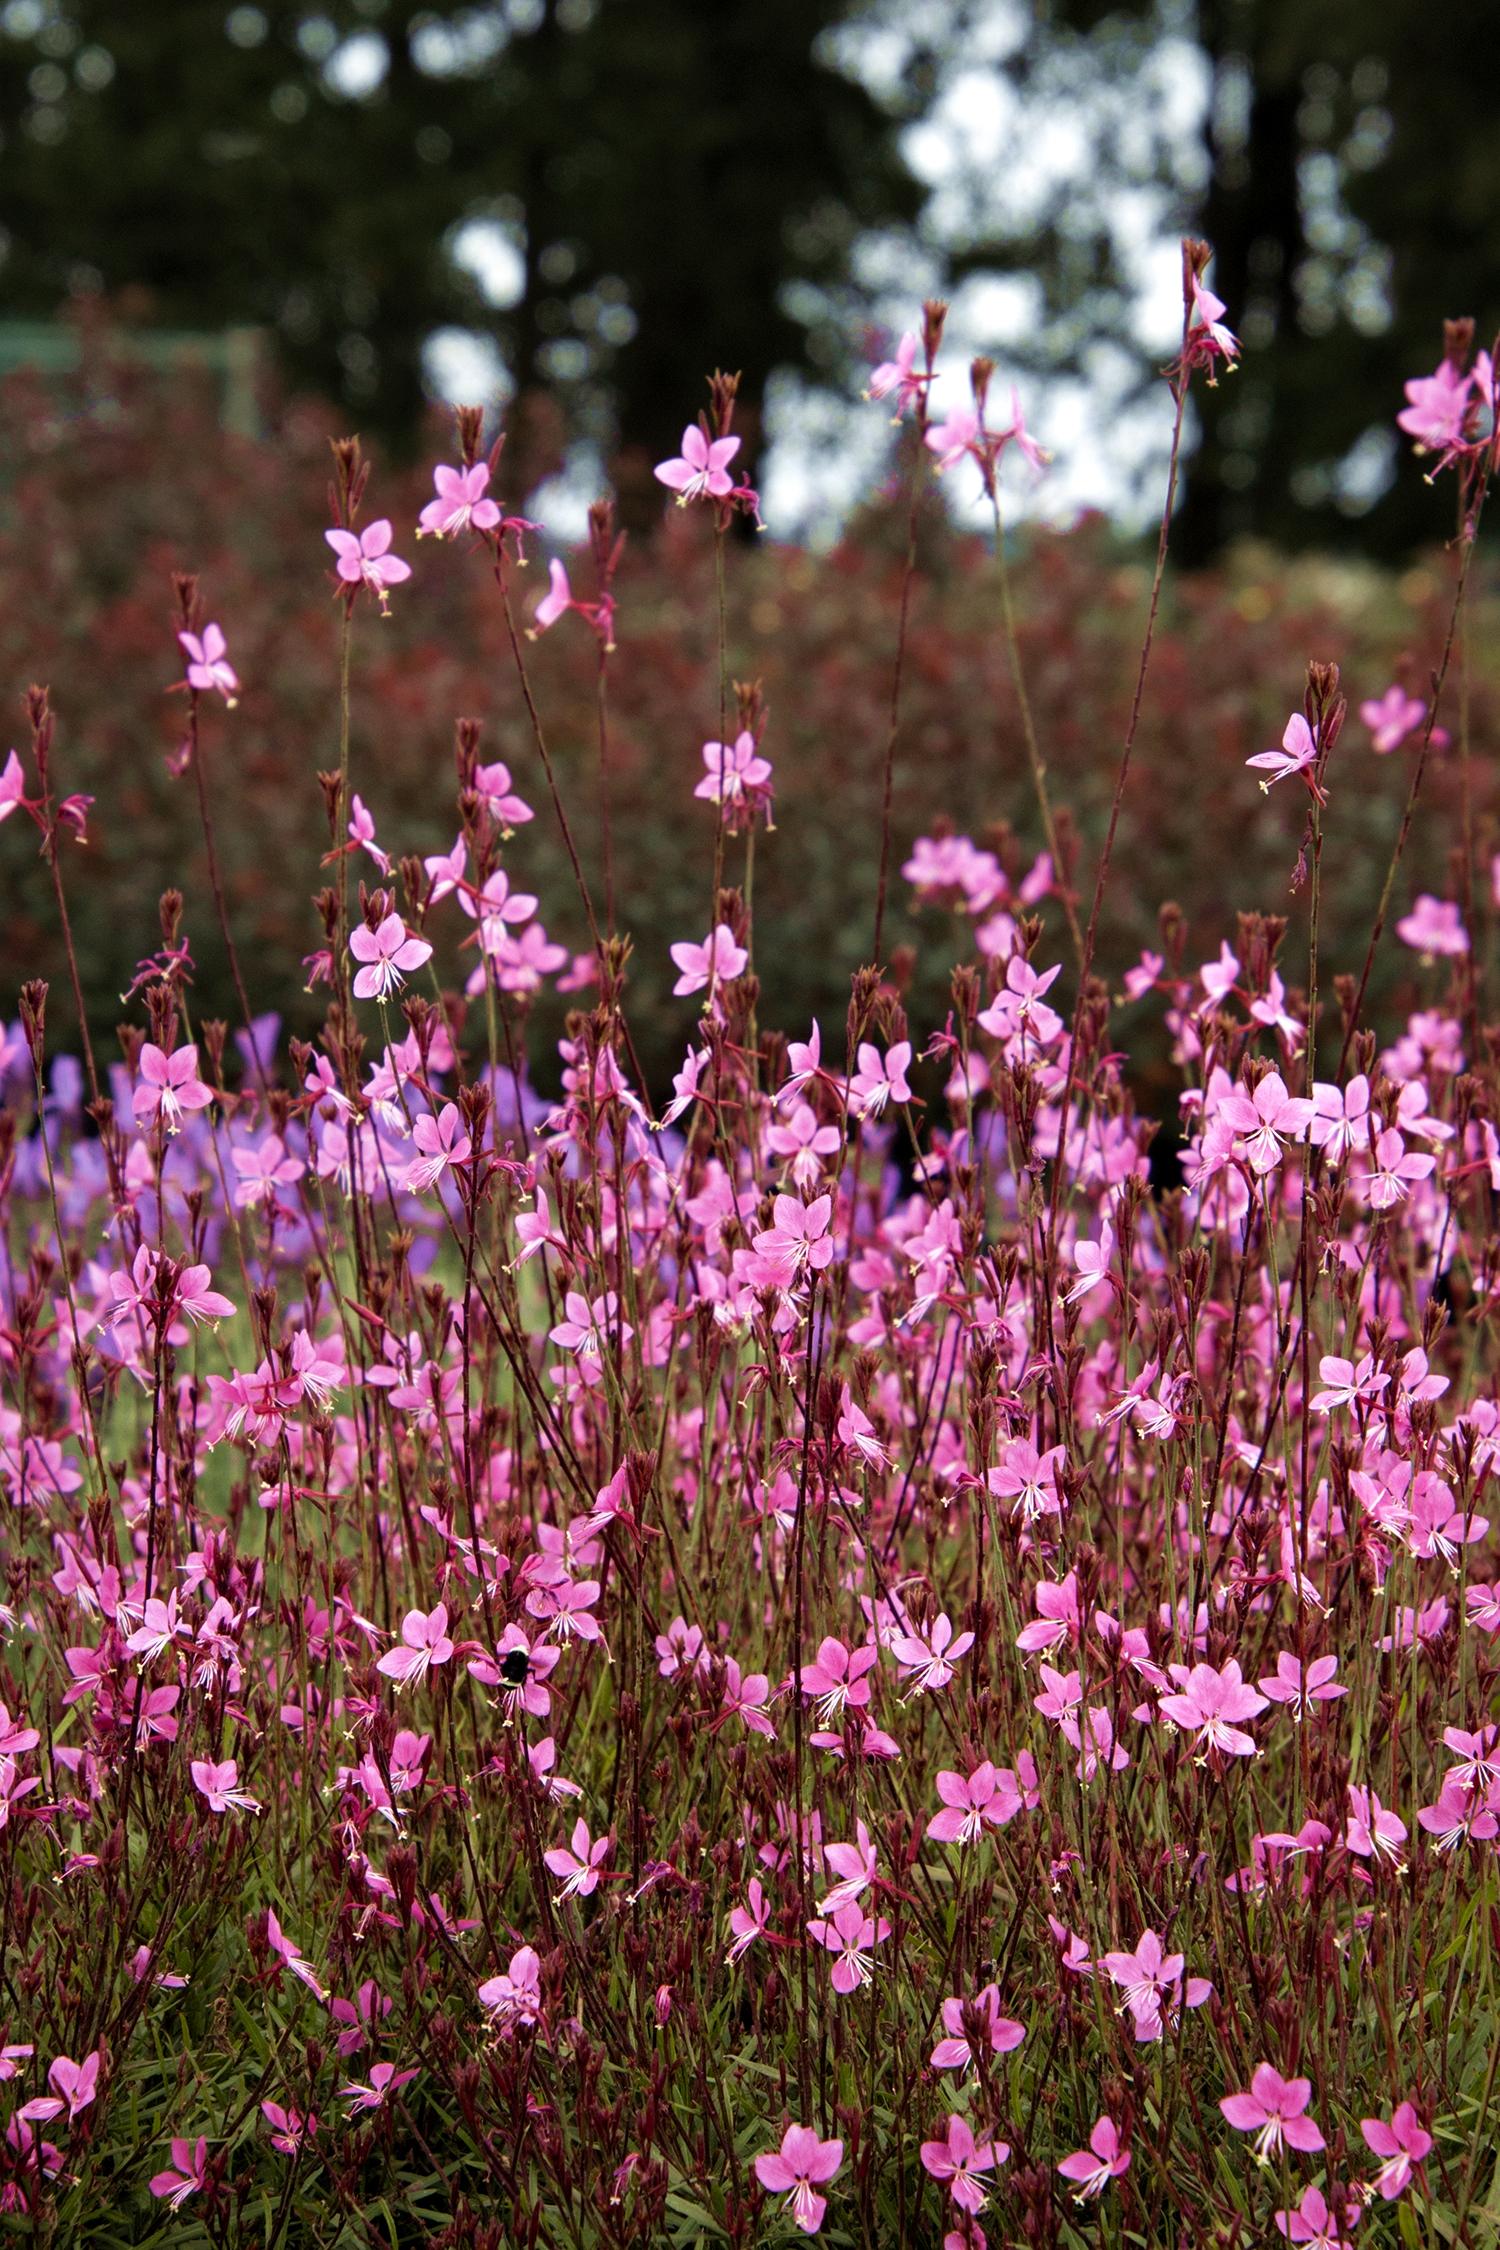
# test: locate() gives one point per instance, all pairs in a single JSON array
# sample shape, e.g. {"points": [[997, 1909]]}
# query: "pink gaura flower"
{"points": [[971, 1803], [701, 470], [718, 960], [220, 1784], [1267, 1120], [461, 504], [75, 2083], [801, 1241], [962, 2162], [1434, 927], [1298, 755], [424, 1642], [514, 1998], [839, 1679], [1208, 341], [1104, 2159], [263, 1167], [169, 1086], [1301, 1687], [1028, 1480], [749, 1922], [974, 2029], [851, 1934], [442, 1144], [1208, 1702], [900, 377], [735, 771], [1392, 717], [208, 667], [580, 1865], [366, 560], [187, 2175], [589, 1328], [799, 2168], [290, 1958], [880, 1079], [1372, 1832], [389, 954], [384, 2080], [1317, 2223], [1401, 2143], [1273, 2112], [1153, 1984], [291, 2129], [928, 1661]]}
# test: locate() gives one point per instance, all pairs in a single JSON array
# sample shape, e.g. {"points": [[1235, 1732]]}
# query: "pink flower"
{"points": [[441, 1142], [461, 504], [735, 770], [220, 1784], [493, 789], [952, 438], [262, 1168], [12, 787], [76, 2083], [366, 560], [962, 2161], [291, 2130], [1437, 409], [1208, 1701], [1298, 754], [291, 1960], [971, 1803], [1208, 340], [514, 1998], [1372, 1832], [1028, 1480], [701, 470], [801, 2165], [1273, 2112], [1019, 1009], [188, 2173], [580, 1866], [900, 376], [388, 953], [1393, 717], [209, 669], [1434, 926], [384, 2080], [557, 600], [1091, 1264], [588, 1328], [1392, 1171], [1152, 1982], [1316, 2223], [1266, 1120], [851, 1934], [169, 1086], [749, 1922], [424, 1642], [1095, 2166], [1401, 2144], [975, 2028], [718, 960], [1303, 1688], [839, 1679], [801, 1240], [880, 1079], [928, 1663]]}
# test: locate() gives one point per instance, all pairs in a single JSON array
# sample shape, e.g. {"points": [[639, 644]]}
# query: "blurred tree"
{"points": [[664, 174], [1342, 165]]}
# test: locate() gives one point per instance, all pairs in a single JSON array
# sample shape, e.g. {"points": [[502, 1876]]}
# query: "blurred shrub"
{"points": [[110, 484]]}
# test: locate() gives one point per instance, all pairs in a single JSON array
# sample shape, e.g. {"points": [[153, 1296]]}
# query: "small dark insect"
{"points": [[515, 1667]]}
